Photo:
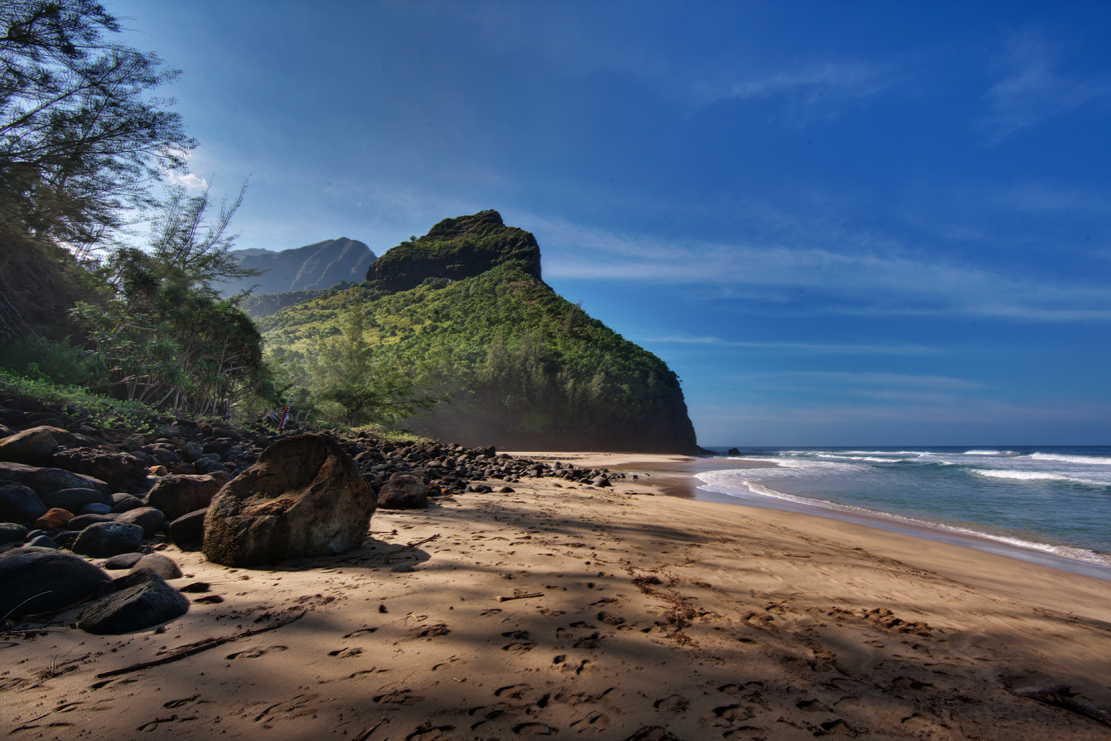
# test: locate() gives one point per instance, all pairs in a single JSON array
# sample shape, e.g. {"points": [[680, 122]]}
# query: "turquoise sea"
{"points": [[1049, 505]]}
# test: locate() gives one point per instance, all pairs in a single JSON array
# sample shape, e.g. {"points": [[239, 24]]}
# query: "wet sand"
{"points": [[575, 611]]}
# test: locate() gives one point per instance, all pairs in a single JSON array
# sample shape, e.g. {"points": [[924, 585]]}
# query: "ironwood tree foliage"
{"points": [[168, 338], [81, 137], [343, 371]]}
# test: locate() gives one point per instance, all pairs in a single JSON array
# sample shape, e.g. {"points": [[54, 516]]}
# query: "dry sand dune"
{"points": [[602, 613]]}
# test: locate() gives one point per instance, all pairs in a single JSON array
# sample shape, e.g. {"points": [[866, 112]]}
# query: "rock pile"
{"points": [[70, 492]]}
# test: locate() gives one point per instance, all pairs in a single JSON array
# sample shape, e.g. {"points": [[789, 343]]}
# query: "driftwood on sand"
{"points": [[1061, 695], [197, 648]]}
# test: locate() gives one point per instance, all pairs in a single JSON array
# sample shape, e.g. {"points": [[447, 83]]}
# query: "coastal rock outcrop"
{"points": [[304, 497], [455, 249]]}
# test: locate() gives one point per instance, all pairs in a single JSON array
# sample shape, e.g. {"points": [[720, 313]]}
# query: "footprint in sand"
{"points": [[359, 632], [534, 729], [811, 706], [733, 713], [436, 629], [590, 641], [653, 733], [520, 635], [519, 648], [398, 697], [176, 703], [597, 720], [254, 653], [672, 704], [345, 653], [428, 732], [513, 691], [491, 611]]}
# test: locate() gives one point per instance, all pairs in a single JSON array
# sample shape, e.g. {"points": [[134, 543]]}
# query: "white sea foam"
{"points": [[723, 482], [1035, 476], [990, 452], [1082, 459], [865, 458]]}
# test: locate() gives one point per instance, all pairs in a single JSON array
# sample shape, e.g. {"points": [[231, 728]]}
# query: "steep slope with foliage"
{"points": [[312, 267], [526, 368], [455, 249]]}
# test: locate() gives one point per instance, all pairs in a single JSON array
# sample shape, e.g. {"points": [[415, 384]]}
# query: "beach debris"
{"points": [[196, 648], [304, 497], [1062, 696], [523, 595]]}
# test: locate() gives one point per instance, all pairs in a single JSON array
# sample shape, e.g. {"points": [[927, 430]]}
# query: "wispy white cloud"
{"points": [[869, 274], [810, 92], [805, 347], [867, 378], [188, 180], [1030, 88]]}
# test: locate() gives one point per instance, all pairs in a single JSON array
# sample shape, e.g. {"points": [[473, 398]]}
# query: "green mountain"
{"points": [[312, 267], [529, 369]]}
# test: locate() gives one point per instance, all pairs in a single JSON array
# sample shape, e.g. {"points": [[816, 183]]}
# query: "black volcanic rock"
{"points": [[455, 249]]}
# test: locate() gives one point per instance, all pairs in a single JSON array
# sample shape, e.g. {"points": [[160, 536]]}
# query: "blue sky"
{"points": [[840, 223]]}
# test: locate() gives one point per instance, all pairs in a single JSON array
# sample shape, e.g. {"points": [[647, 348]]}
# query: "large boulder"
{"points": [[159, 564], [34, 446], [120, 470], [304, 497], [45, 580], [138, 601], [403, 491], [148, 518], [104, 539], [74, 499], [46, 480], [188, 530], [12, 532], [178, 495], [19, 504]]}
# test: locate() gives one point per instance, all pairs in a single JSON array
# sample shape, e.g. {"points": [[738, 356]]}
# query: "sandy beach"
{"points": [[568, 610]]}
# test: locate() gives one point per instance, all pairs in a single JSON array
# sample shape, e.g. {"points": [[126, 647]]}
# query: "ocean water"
{"points": [[1043, 504]]}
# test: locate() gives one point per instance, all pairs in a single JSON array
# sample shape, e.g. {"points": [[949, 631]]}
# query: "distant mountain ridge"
{"points": [[312, 267]]}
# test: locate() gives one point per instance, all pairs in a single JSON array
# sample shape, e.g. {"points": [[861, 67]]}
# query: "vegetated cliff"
{"points": [[312, 267], [456, 249], [528, 369]]}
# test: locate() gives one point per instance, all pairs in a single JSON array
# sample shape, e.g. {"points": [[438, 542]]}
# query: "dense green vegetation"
{"points": [[260, 305], [525, 367], [77, 402], [455, 249], [457, 322]]}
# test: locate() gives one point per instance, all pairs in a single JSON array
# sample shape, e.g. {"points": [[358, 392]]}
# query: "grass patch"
{"points": [[77, 403]]}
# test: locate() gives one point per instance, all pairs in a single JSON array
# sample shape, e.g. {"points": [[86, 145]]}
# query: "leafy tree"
{"points": [[187, 250], [167, 338], [80, 137], [345, 373]]}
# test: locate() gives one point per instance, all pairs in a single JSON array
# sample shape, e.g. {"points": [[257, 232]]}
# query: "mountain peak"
{"points": [[458, 248]]}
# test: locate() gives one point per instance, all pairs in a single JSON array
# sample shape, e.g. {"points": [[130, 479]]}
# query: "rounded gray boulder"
{"points": [[138, 601], [108, 539], [34, 580]]}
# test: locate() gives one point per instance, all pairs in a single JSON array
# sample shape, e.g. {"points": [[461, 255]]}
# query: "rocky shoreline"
{"points": [[77, 502]]}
